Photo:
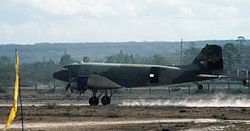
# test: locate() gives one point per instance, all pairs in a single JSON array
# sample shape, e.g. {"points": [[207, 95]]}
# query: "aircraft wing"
{"points": [[101, 82], [211, 76]]}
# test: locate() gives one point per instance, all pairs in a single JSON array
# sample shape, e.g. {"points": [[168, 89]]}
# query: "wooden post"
{"points": [[36, 88], [54, 90], [188, 89], [208, 88]]}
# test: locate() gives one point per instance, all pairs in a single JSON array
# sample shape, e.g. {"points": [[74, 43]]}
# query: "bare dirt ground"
{"points": [[131, 111], [53, 117]]}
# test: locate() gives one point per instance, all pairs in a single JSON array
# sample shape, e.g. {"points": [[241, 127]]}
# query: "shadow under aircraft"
{"points": [[106, 77]]}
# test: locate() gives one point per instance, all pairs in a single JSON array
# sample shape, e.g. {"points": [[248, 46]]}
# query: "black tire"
{"points": [[200, 87], [93, 101], [106, 100]]}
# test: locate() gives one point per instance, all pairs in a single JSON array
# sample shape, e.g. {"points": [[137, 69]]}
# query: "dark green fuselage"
{"points": [[134, 75], [205, 66]]}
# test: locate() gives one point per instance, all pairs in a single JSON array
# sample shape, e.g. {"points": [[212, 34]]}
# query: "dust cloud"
{"points": [[217, 100]]}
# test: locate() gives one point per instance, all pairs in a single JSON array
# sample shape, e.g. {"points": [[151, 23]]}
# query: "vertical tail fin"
{"points": [[210, 58]]}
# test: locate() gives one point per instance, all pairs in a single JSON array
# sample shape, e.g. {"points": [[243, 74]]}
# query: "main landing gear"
{"points": [[105, 100], [93, 101]]}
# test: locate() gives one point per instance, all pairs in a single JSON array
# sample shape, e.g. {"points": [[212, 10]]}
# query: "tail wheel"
{"points": [[93, 101], [200, 87], [106, 100]]}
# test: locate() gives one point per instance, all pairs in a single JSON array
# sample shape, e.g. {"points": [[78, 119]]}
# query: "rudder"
{"points": [[210, 58]]}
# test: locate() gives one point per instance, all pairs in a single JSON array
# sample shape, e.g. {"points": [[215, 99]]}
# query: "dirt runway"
{"points": [[52, 117]]}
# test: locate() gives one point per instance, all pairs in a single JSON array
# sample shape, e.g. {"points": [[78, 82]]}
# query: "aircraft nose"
{"points": [[61, 75]]}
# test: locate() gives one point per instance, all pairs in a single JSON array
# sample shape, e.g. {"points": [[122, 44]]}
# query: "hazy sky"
{"points": [[34, 21]]}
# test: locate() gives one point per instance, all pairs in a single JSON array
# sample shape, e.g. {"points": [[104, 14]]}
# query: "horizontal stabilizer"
{"points": [[211, 76]]}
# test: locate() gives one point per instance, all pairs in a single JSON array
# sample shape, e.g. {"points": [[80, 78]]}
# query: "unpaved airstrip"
{"points": [[169, 111], [79, 117]]}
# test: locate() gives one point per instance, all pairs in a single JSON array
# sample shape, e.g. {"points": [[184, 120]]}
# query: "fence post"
{"points": [[36, 89], [188, 89], [208, 87], [54, 90]]}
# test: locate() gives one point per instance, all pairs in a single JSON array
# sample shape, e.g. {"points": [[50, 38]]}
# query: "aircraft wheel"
{"points": [[200, 87], [93, 101], [106, 100]]}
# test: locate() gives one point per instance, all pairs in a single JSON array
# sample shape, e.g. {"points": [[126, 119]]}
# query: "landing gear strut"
{"points": [[106, 99]]}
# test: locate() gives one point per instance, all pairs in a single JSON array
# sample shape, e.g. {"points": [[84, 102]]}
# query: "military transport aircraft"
{"points": [[109, 76]]}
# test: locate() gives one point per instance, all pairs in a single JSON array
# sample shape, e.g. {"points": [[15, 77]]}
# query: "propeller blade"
{"points": [[67, 87]]}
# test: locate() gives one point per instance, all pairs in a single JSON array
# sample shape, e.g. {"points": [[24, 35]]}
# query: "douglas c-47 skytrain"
{"points": [[109, 76]]}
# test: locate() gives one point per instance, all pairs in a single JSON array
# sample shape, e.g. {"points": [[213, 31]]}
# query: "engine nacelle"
{"points": [[78, 84]]}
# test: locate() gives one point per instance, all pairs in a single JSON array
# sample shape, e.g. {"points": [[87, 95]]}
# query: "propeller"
{"points": [[68, 87], [70, 80]]}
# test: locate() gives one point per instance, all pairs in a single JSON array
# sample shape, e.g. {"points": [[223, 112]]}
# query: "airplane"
{"points": [[107, 77]]}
